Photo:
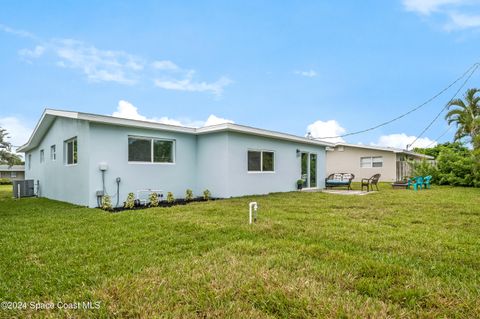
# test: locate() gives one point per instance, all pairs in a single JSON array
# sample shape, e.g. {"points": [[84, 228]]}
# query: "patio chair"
{"points": [[417, 182], [426, 181], [369, 182]]}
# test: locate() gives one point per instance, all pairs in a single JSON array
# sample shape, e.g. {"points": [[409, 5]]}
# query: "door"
{"points": [[309, 170]]}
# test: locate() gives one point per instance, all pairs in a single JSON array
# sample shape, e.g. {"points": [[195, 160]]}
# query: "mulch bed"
{"points": [[163, 203]]}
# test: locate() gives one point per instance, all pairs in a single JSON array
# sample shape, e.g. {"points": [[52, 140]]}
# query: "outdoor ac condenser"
{"points": [[23, 188]]}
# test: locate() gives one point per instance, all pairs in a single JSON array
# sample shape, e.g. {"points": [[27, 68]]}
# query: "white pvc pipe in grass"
{"points": [[252, 209]]}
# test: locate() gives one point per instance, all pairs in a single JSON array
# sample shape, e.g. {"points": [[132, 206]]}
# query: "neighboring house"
{"points": [[365, 161], [13, 173], [67, 149]]}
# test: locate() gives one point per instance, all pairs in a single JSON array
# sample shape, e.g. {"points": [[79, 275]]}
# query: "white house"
{"points": [[74, 157]]}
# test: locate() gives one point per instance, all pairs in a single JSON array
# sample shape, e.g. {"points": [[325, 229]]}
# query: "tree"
{"points": [[6, 155], [455, 164], [466, 115]]}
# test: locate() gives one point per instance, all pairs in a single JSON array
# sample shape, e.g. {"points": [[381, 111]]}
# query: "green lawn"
{"points": [[395, 253]]}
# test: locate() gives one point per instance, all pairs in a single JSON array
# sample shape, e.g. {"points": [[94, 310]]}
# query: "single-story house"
{"points": [[365, 161], [13, 173], [74, 157]]}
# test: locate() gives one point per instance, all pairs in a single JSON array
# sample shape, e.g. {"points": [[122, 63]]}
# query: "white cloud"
{"points": [[127, 110], [164, 65], [97, 65], [308, 74], [456, 14], [460, 21], [18, 131], [35, 53], [100, 65], [187, 84], [20, 33], [215, 120], [402, 140], [324, 130], [426, 7]]}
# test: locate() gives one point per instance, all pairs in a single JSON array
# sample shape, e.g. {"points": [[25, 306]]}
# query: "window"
{"points": [[42, 156], [13, 174], [377, 161], [29, 161], [369, 162], [53, 152], [261, 161], [71, 151], [150, 150]]}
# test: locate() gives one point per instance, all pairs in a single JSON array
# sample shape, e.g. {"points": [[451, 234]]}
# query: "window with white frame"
{"points": [[42, 156], [150, 150], [29, 161], [13, 174], [371, 161], [71, 151], [53, 152], [261, 161]]}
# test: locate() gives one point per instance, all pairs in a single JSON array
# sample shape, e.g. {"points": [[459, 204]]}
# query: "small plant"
{"points": [[170, 198], [206, 194], [106, 203], [153, 198], [130, 202], [300, 183], [188, 195]]}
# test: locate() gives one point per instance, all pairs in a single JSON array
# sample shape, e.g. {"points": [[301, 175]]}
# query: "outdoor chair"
{"points": [[426, 181], [369, 182], [416, 182]]}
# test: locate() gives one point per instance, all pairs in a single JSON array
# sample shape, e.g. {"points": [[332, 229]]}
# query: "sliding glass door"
{"points": [[309, 170]]}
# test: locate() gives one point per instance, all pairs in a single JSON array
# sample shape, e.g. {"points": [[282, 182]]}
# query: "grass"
{"points": [[394, 253]]}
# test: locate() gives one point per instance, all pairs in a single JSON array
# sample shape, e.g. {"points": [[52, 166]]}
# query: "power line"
{"points": [[472, 68], [441, 135], [475, 67]]}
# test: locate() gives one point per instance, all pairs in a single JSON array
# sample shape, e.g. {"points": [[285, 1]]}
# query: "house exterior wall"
{"points": [[110, 145], [287, 165], [348, 161], [212, 164], [216, 161], [8, 175], [69, 183]]}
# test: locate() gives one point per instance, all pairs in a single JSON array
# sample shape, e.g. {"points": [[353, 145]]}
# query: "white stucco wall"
{"points": [[215, 161], [69, 183], [110, 145], [287, 165], [212, 164], [348, 161]]}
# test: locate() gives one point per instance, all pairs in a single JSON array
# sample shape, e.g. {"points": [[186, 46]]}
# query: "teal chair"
{"points": [[418, 182], [426, 181]]}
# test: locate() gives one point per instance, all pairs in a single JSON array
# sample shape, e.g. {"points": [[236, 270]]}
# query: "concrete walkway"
{"points": [[346, 192]]}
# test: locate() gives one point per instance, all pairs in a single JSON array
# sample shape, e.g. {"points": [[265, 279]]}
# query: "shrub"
{"points": [[206, 194], [455, 165], [170, 198], [153, 198], [5, 181], [130, 202], [106, 203], [188, 195]]}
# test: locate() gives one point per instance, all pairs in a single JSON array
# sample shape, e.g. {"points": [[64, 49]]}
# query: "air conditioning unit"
{"points": [[25, 188]]}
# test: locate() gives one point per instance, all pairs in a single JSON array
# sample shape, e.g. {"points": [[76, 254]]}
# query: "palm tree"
{"points": [[466, 115]]}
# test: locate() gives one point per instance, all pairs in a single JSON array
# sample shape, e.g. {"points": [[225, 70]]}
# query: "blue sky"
{"points": [[325, 67]]}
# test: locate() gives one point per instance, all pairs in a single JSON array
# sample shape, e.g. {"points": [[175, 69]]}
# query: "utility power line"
{"points": [[441, 135], [470, 70], [475, 67]]}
